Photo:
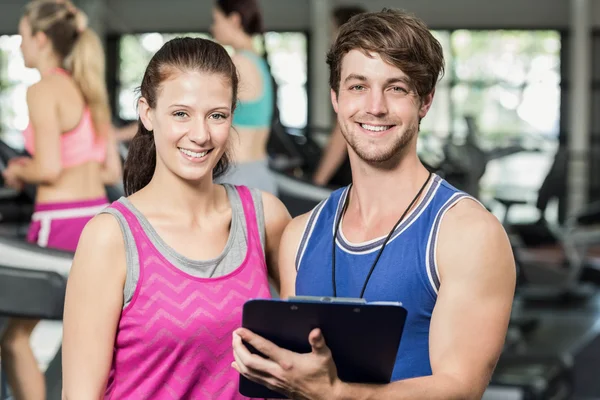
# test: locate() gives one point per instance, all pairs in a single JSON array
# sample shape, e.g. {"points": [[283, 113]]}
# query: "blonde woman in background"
{"points": [[73, 152]]}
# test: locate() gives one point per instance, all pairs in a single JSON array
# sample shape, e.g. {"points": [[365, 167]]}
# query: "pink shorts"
{"points": [[59, 225]]}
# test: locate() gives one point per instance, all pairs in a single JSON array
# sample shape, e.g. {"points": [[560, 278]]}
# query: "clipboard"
{"points": [[363, 337]]}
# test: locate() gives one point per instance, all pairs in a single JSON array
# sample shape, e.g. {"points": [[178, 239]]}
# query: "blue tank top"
{"points": [[406, 272], [256, 113]]}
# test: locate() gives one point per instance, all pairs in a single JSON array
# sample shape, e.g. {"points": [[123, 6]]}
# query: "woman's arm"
{"points": [[127, 132], [276, 219], [93, 305], [112, 170], [332, 158]]}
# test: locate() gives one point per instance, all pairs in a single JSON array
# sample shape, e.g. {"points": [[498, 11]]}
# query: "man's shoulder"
{"points": [[468, 225], [468, 209], [298, 224], [473, 242]]}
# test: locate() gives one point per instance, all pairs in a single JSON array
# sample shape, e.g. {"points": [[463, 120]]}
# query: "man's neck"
{"points": [[386, 193]]}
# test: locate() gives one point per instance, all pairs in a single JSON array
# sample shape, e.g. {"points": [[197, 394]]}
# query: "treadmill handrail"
{"points": [[301, 189], [18, 254], [30, 293]]}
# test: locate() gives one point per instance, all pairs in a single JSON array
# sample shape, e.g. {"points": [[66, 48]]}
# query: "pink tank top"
{"points": [[174, 338], [77, 146]]}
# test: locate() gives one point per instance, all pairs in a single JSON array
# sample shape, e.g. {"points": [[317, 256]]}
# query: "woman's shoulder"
{"points": [[275, 212]]}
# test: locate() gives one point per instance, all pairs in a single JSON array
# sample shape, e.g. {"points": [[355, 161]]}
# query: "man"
{"points": [[401, 235], [334, 165]]}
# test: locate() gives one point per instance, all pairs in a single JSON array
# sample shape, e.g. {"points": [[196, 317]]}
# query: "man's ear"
{"points": [[334, 100], [426, 104]]}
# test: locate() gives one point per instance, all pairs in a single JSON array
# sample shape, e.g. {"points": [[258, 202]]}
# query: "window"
{"points": [[287, 55], [509, 82], [15, 78], [135, 54]]}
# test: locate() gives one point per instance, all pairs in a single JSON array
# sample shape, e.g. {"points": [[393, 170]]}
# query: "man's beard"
{"points": [[384, 157]]}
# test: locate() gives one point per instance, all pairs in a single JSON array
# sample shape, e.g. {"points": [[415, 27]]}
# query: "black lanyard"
{"points": [[337, 227]]}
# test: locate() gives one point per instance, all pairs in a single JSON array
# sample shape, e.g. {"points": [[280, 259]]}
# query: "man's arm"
{"points": [[470, 319], [277, 218], [332, 157], [288, 247]]}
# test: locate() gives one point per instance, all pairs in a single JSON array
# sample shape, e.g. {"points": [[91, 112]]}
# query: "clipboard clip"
{"points": [[328, 299]]}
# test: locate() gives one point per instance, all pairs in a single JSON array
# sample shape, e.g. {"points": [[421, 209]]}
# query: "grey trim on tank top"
{"points": [[230, 258]]}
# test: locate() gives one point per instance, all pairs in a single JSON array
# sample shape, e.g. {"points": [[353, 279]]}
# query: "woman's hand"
{"points": [[11, 179]]}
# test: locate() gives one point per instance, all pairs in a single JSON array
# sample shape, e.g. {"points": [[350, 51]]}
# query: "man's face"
{"points": [[378, 110]]}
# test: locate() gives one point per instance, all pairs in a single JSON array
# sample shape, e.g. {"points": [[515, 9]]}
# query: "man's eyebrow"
{"points": [[398, 79], [362, 78], [355, 77]]}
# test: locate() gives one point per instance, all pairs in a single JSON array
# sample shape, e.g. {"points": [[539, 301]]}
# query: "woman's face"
{"points": [[30, 44], [191, 123], [224, 26]]}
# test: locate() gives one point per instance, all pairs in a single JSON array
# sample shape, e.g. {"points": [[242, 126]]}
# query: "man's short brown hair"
{"points": [[401, 39]]}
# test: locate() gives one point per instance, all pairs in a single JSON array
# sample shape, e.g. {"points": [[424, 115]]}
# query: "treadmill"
{"points": [[32, 285]]}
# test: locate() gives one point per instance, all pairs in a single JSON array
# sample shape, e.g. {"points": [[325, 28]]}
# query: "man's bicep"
{"points": [[471, 315]]}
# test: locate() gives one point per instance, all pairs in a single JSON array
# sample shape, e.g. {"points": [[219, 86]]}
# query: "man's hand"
{"points": [[299, 376]]}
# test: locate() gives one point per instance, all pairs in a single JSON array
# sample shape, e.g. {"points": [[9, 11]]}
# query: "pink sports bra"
{"points": [[77, 146]]}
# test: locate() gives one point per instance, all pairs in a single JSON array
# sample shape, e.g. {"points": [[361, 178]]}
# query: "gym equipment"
{"points": [[32, 285], [15, 207], [464, 164], [298, 195], [554, 258], [293, 151], [540, 233], [531, 377], [554, 273]]}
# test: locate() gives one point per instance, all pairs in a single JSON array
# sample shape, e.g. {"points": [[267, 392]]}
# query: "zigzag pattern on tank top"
{"points": [[174, 338]]}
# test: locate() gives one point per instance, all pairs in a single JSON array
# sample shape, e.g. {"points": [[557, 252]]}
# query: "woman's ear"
{"points": [[145, 114], [41, 39], [236, 19]]}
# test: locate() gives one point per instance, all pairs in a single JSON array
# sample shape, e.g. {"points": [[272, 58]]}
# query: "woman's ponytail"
{"points": [[87, 66]]}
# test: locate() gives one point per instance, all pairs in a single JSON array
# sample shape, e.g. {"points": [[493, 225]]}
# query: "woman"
{"points": [[73, 153], [234, 24], [159, 278]]}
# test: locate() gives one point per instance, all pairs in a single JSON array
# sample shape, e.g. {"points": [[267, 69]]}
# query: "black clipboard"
{"points": [[363, 337]]}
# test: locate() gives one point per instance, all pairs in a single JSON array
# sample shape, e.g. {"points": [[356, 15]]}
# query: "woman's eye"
{"points": [[180, 114]]}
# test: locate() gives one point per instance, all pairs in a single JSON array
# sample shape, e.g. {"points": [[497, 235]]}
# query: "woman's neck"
{"points": [[184, 198], [243, 42], [47, 66]]}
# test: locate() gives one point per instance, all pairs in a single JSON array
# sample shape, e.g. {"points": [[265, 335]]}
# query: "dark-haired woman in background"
{"points": [[159, 278], [235, 22]]}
